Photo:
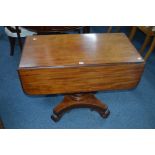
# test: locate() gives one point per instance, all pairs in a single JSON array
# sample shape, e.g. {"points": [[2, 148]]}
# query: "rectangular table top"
{"points": [[73, 63], [78, 49]]}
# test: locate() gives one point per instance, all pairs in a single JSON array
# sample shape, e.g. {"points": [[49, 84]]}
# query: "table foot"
{"points": [[83, 100], [55, 117]]}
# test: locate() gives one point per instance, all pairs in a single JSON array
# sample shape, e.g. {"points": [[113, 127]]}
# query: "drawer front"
{"points": [[80, 79]]}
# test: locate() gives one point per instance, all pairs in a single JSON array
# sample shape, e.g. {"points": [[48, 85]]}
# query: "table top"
{"points": [[78, 50]]}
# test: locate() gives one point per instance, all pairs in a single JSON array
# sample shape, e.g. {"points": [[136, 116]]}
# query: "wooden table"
{"points": [[77, 65]]}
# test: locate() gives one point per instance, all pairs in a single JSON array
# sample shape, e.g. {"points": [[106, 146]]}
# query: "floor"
{"points": [[129, 109]]}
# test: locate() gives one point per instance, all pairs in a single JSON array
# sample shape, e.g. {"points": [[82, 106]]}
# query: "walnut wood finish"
{"points": [[80, 79], [73, 63], [67, 50], [85, 100], [79, 63]]}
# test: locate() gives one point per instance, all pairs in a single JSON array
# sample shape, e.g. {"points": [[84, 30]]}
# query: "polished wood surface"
{"points": [[79, 63], [80, 79], [71, 49], [85, 100]]}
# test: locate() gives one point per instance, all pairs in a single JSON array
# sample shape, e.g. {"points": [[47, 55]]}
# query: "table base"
{"points": [[81, 100]]}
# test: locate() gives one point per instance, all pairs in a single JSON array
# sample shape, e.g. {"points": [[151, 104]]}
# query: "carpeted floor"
{"points": [[129, 109]]}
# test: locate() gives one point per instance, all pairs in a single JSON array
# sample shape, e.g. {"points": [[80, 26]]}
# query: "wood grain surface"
{"points": [[70, 49], [80, 79], [79, 63], [84, 100]]}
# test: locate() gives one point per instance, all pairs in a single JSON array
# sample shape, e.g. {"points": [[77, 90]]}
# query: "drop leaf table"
{"points": [[77, 65]]}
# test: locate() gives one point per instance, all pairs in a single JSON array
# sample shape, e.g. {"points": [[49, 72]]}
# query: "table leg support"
{"points": [[83, 100]]}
